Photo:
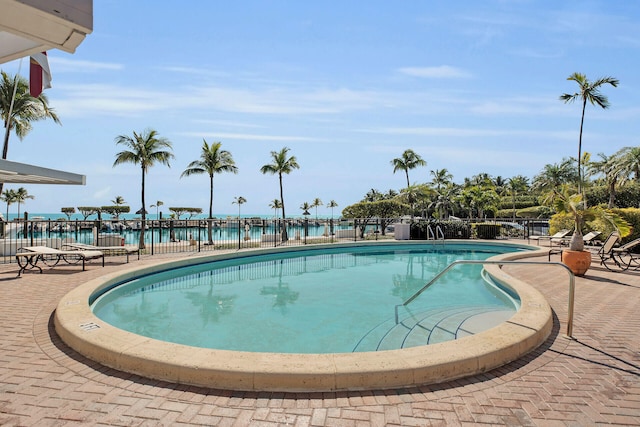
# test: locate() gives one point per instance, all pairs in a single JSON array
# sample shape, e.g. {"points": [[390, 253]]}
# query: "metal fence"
{"points": [[201, 235]]}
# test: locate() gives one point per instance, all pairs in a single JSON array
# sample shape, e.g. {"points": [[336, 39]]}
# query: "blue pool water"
{"points": [[309, 301]]}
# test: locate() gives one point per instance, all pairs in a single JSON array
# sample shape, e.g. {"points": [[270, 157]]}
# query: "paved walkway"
{"points": [[591, 380]]}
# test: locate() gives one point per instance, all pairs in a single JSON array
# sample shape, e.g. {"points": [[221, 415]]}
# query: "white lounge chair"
{"points": [[559, 235], [107, 250], [28, 257]]}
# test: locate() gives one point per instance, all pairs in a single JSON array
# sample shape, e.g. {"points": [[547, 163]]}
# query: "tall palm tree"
{"points": [[588, 91], [516, 185], [440, 178], [409, 160], [24, 109], [316, 202], [157, 206], [144, 149], [281, 164], [239, 200], [9, 197], [305, 208], [275, 205], [552, 177], [213, 160], [629, 161], [332, 204], [21, 196]]}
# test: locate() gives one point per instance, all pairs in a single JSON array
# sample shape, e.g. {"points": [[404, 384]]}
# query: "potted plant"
{"points": [[575, 257]]}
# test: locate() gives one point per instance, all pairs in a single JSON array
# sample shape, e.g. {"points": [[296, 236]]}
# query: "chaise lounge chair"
{"points": [[558, 236], [589, 239], [28, 257], [619, 258], [107, 250]]}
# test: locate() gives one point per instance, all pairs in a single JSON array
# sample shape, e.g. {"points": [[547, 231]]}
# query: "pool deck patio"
{"points": [[592, 379]]}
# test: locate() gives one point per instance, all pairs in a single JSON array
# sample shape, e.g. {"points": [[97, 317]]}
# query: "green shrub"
{"points": [[487, 231]]}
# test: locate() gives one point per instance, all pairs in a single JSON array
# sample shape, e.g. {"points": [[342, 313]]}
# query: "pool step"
{"points": [[430, 327]]}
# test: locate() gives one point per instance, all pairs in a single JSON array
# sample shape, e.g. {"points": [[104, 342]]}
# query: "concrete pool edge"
{"points": [[221, 369]]}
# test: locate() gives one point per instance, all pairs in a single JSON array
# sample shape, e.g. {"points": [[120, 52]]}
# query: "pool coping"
{"points": [[95, 339]]}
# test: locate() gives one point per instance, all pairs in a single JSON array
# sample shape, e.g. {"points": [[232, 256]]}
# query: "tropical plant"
{"points": [[21, 197], [613, 174], [144, 149], [515, 186], [119, 200], [588, 92], [573, 204], [87, 211], [68, 211], [18, 109], [409, 160], [275, 204], [332, 204], [239, 200], [157, 206], [316, 202], [281, 164], [213, 160], [552, 177], [305, 208], [9, 197]]}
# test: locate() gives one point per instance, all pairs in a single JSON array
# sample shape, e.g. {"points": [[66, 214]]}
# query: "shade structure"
{"points": [[22, 173]]}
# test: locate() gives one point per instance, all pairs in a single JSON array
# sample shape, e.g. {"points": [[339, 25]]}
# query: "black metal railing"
{"points": [[200, 235]]}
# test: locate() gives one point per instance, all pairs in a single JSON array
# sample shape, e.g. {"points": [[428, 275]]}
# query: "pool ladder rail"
{"points": [[572, 281], [437, 235]]}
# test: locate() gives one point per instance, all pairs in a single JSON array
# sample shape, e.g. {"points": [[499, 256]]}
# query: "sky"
{"points": [[471, 86]]}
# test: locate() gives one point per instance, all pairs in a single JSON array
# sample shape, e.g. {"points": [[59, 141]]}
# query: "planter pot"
{"points": [[578, 261]]}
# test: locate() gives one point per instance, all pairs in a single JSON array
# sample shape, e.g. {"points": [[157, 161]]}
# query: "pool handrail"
{"points": [[572, 281]]}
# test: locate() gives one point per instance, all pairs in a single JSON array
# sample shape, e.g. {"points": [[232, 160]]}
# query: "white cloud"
{"points": [[65, 65], [440, 72]]}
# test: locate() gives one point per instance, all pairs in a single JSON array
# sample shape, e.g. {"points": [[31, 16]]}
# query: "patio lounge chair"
{"points": [[620, 256], [559, 235], [588, 238], [28, 257], [107, 250], [606, 253]]}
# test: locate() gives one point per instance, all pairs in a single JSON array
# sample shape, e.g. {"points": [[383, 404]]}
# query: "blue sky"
{"points": [[471, 86]]}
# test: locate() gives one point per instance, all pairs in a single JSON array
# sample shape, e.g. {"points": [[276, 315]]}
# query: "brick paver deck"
{"points": [[593, 379]]}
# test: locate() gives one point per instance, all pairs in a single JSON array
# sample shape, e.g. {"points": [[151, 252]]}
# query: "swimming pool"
{"points": [[334, 300], [96, 339]]}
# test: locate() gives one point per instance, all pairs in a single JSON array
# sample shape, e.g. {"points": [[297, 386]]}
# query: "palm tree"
{"points": [[305, 208], [239, 200], [316, 202], [589, 91], [552, 177], [157, 206], [275, 205], [629, 161], [9, 197], [18, 109], [145, 149], [440, 178], [119, 200], [332, 204], [409, 160], [515, 186], [21, 196], [212, 160], [614, 175], [282, 164]]}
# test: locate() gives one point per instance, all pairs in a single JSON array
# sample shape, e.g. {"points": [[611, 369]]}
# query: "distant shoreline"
{"points": [[149, 216]]}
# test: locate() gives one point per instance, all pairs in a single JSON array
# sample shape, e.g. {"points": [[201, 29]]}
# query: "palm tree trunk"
{"points": [[209, 223], [285, 237], [584, 106], [142, 222]]}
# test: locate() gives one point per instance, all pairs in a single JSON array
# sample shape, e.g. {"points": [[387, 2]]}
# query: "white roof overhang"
{"points": [[22, 173], [30, 26]]}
